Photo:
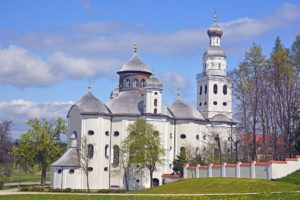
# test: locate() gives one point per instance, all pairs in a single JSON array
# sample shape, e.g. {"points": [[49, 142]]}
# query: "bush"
{"points": [[1, 184], [68, 190], [111, 191]]}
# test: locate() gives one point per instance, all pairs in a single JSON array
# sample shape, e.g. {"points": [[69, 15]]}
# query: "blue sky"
{"points": [[49, 50]]}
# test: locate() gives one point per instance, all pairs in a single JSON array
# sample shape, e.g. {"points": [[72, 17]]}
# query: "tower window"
{"points": [[135, 81], [200, 92], [116, 155], [200, 104], [224, 104], [225, 89], [106, 151], [197, 137], [171, 136], [155, 102], [215, 103], [59, 171], [90, 151], [205, 89], [215, 89], [205, 103], [155, 110], [219, 65], [127, 83], [155, 93], [217, 41], [107, 133], [143, 83]]}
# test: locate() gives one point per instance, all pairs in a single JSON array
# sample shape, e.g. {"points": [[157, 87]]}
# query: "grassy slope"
{"points": [[287, 196], [292, 178], [221, 185]]}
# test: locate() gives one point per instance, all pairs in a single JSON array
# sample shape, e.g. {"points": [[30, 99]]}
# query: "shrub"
{"points": [[68, 190], [1, 184]]}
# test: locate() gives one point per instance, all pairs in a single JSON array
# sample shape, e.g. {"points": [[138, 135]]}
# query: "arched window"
{"points": [[205, 89], [155, 110], [171, 135], [91, 132], [204, 65], [215, 89], [217, 40], [90, 151], [225, 89], [182, 151], [182, 136], [127, 84], [200, 92], [135, 81], [219, 65], [106, 151], [155, 102], [143, 83], [116, 153]]}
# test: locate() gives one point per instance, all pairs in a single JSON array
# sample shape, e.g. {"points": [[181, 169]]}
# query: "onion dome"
{"points": [[135, 64], [181, 110], [153, 82], [215, 30]]}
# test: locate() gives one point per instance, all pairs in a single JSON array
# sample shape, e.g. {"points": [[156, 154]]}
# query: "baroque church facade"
{"points": [[140, 95]]}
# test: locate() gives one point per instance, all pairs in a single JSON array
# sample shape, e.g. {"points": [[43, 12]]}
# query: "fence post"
{"points": [[238, 170], [252, 169], [269, 170], [223, 168], [209, 170], [185, 168], [197, 171]]}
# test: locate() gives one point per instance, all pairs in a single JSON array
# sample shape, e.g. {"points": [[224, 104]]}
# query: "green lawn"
{"points": [[221, 185], [287, 196], [292, 178], [21, 176]]}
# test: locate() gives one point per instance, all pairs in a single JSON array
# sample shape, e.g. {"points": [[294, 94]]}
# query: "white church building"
{"points": [[140, 95]]}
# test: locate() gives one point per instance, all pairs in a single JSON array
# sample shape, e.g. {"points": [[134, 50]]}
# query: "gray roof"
{"points": [[153, 82], [68, 159], [135, 64], [220, 118], [181, 110], [89, 104], [215, 30], [214, 51], [127, 103]]}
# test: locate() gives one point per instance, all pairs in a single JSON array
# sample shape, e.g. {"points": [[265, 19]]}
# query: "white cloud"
{"points": [[19, 111], [175, 81]]}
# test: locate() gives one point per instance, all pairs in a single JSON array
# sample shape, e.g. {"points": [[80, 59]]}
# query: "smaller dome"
{"points": [[153, 82], [135, 64], [89, 104], [215, 30]]}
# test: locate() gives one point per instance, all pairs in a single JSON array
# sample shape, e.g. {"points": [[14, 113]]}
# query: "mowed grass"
{"points": [[288, 196], [291, 178], [221, 185], [21, 176]]}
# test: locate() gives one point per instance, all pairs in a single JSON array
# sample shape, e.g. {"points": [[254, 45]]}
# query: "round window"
{"points": [[71, 171], [90, 169], [107, 133], [59, 171], [116, 133], [90, 132], [182, 136]]}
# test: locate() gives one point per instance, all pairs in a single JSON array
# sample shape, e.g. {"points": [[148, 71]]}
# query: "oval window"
{"points": [[90, 169], [197, 137], [182, 136], [90, 132], [215, 89], [224, 104], [205, 89], [116, 133], [107, 133], [106, 169], [215, 103], [225, 89], [200, 92]]}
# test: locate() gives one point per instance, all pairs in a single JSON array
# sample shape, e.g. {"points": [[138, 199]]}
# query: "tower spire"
{"points": [[89, 87], [215, 17]]}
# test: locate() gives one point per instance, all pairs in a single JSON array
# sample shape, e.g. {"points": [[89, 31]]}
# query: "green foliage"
{"points": [[144, 146], [179, 161], [40, 145]]}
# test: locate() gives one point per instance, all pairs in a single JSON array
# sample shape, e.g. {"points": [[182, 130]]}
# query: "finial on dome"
{"points": [[215, 16], [89, 87], [135, 48], [153, 73], [178, 93]]}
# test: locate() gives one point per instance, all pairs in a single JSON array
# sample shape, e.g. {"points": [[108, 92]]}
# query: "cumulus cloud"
{"points": [[175, 81], [19, 111], [22, 68]]}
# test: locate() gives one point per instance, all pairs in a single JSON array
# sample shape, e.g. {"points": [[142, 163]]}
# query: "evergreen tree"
{"points": [[179, 162]]}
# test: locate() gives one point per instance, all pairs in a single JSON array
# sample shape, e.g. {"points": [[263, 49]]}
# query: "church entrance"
{"points": [[155, 182]]}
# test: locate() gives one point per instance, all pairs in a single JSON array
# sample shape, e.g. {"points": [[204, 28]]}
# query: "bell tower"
{"points": [[213, 85]]}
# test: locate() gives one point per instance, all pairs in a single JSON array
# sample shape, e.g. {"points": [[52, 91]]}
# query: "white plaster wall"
{"points": [[245, 171], [230, 172], [216, 172], [261, 171]]}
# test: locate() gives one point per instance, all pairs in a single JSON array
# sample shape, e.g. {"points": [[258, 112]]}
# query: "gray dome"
{"points": [[215, 30], [127, 103], [213, 51], [135, 64], [89, 104], [180, 110], [153, 82], [114, 93]]}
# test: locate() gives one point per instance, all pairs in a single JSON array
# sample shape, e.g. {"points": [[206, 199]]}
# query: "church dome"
{"points": [[89, 104], [181, 110], [153, 82], [135, 64], [215, 30]]}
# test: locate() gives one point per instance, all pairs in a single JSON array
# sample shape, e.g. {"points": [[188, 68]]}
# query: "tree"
{"points": [[6, 157], [85, 155], [179, 161], [144, 146], [40, 145]]}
